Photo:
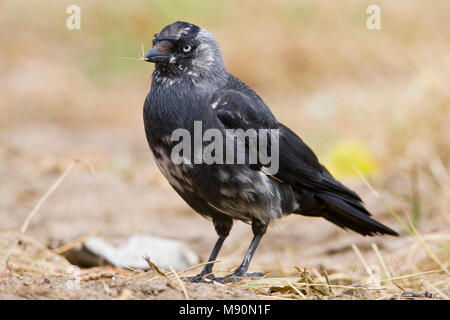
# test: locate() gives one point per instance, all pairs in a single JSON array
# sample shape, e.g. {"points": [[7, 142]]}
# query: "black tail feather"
{"points": [[352, 215]]}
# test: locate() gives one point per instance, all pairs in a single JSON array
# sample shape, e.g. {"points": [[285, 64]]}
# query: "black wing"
{"points": [[318, 192], [299, 165]]}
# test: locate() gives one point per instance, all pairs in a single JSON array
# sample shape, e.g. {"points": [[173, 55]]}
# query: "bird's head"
{"points": [[183, 51]]}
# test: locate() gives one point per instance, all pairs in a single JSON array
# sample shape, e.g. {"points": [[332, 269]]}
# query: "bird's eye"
{"points": [[187, 48]]}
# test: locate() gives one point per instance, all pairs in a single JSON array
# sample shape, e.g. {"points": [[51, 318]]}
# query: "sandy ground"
{"points": [[118, 190]]}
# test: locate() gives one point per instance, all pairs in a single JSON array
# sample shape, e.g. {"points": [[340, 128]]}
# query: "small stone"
{"points": [[163, 252]]}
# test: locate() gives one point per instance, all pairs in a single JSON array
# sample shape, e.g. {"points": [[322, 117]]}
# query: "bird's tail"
{"points": [[344, 210], [350, 214]]}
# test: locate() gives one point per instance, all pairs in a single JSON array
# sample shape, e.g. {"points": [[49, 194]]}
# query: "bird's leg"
{"points": [[207, 269], [241, 271], [259, 229], [223, 227]]}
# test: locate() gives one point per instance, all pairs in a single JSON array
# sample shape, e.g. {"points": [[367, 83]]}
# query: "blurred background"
{"points": [[377, 100]]}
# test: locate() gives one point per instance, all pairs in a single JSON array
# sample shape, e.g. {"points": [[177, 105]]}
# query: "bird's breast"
{"points": [[233, 190]]}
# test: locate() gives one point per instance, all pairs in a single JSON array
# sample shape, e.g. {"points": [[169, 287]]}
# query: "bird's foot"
{"points": [[238, 276], [201, 277]]}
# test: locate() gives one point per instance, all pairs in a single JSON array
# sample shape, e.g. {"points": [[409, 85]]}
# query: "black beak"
{"points": [[154, 55]]}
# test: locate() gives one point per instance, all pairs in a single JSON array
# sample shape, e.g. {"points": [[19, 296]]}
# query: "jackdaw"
{"points": [[190, 85]]}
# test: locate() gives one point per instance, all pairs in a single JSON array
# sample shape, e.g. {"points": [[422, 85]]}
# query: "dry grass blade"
{"points": [[361, 258], [183, 287], [35, 209], [306, 278], [369, 271], [427, 237], [432, 255], [198, 265], [295, 289], [315, 285], [131, 58], [385, 269], [74, 243], [408, 276], [325, 273], [46, 195], [153, 266], [381, 260], [25, 147], [272, 297]]}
